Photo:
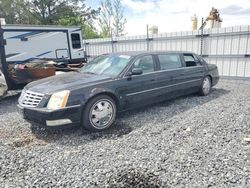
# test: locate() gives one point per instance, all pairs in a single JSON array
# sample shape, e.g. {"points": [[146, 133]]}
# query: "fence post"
{"points": [[147, 39], [112, 42], [202, 35], [245, 63], [85, 50]]}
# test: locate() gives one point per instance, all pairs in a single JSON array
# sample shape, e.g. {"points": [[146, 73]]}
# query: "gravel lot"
{"points": [[188, 142]]}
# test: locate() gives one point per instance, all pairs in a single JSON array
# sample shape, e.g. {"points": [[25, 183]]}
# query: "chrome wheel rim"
{"points": [[206, 85], [101, 114]]}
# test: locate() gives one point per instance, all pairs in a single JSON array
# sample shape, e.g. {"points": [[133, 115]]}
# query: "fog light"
{"points": [[58, 122]]}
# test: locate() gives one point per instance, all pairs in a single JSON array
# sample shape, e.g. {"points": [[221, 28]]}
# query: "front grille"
{"points": [[30, 98]]}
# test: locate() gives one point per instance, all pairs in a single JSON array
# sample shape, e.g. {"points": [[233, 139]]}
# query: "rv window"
{"points": [[76, 41]]}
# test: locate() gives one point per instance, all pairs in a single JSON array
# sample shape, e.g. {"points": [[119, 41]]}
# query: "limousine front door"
{"points": [[141, 88]]}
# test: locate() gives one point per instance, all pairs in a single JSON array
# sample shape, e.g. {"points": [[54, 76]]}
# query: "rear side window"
{"points": [[169, 61], [76, 41]]}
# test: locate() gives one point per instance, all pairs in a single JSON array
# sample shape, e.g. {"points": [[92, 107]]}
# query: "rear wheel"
{"points": [[99, 113], [205, 86]]}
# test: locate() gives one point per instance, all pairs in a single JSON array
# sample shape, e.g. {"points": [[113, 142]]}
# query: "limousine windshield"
{"points": [[111, 65]]}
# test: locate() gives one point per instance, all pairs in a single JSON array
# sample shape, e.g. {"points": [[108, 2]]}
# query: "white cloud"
{"points": [[175, 15], [139, 6]]}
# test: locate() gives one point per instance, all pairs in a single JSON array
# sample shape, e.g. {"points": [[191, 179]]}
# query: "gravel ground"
{"points": [[187, 142]]}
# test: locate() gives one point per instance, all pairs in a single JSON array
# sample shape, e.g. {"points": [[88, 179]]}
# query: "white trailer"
{"points": [[25, 43], [20, 44]]}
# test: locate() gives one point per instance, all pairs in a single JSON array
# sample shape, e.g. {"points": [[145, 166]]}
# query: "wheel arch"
{"points": [[108, 93], [111, 95], [211, 78]]}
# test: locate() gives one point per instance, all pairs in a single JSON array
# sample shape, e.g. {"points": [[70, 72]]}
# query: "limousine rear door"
{"points": [[194, 71], [171, 77]]}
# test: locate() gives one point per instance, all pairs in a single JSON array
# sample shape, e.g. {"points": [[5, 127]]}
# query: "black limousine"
{"points": [[112, 83]]}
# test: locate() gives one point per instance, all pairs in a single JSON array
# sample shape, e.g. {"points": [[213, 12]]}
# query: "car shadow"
{"points": [[7, 104], [77, 135]]}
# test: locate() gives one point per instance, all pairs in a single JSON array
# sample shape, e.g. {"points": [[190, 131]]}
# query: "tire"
{"points": [[99, 113], [206, 85], [3, 85]]}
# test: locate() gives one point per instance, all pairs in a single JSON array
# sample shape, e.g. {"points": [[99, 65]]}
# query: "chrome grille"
{"points": [[30, 98]]}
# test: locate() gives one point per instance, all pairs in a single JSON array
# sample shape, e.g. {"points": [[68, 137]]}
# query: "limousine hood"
{"points": [[66, 81]]}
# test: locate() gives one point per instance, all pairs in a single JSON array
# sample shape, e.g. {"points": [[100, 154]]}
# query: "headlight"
{"points": [[58, 100]]}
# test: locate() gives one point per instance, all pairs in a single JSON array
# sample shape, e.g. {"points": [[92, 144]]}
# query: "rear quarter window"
{"points": [[191, 60], [201, 60]]}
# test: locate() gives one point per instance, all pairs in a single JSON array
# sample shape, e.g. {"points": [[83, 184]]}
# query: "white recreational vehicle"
{"points": [[25, 43], [20, 44]]}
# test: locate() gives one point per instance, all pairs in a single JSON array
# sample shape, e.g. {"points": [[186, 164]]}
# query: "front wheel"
{"points": [[205, 86], [99, 113]]}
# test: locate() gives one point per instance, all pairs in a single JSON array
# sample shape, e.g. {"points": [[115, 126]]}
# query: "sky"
{"points": [[175, 15]]}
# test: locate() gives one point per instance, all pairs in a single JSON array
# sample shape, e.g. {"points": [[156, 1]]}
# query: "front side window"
{"points": [[169, 61], [110, 65], [146, 63], [76, 41]]}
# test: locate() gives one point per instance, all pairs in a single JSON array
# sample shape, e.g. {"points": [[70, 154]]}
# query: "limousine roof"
{"points": [[135, 53]]}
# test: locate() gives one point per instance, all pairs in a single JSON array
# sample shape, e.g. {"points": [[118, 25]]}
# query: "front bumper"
{"points": [[51, 118]]}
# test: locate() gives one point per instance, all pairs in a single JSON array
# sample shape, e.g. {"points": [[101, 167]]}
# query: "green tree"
{"points": [[47, 12], [119, 20], [50, 11], [15, 11], [44, 11], [111, 19], [105, 18], [88, 31]]}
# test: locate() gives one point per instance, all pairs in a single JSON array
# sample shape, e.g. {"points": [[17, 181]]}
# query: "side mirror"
{"points": [[136, 71]]}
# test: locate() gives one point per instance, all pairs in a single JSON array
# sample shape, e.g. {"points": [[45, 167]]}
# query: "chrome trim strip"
{"points": [[45, 109], [139, 92], [58, 122]]}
